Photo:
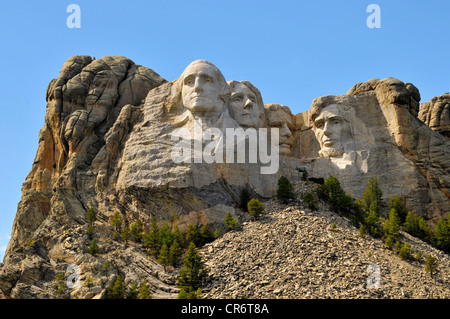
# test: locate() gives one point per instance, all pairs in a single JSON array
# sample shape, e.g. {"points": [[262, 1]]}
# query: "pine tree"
{"points": [[165, 235], [136, 230], [245, 197], [116, 221], [442, 234], [133, 292], [309, 200], [144, 290], [424, 231], [182, 294], [372, 194], [332, 193], [372, 220], [193, 235], [255, 208], [193, 272], [405, 251], [126, 234], [216, 234], [389, 243], [411, 225], [395, 202], [91, 215], [93, 247], [163, 257], [205, 234], [419, 256], [230, 222], [174, 253], [116, 289], [391, 226], [284, 192], [178, 236], [90, 232], [152, 239], [431, 265]]}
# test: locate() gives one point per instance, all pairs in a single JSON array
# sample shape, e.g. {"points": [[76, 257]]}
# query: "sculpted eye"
{"points": [[237, 99], [207, 79], [188, 81]]}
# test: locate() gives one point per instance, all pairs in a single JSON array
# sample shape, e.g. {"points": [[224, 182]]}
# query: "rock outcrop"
{"points": [[436, 114], [119, 138], [381, 136]]}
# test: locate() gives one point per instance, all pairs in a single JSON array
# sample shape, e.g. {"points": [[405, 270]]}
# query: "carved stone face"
{"points": [[280, 119], [328, 128], [202, 88], [244, 107]]}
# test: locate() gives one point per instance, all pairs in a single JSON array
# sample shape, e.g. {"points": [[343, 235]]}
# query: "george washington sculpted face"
{"points": [[202, 88]]}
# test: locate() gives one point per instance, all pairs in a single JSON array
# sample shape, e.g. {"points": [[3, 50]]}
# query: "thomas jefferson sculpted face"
{"points": [[328, 127], [245, 106], [203, 88]]}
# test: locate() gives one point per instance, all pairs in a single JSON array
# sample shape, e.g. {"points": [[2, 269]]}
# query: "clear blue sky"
{"points": [[293, 51]]}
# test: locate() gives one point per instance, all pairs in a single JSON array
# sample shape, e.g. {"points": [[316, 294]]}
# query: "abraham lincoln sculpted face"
{"points": [[328, 128]]}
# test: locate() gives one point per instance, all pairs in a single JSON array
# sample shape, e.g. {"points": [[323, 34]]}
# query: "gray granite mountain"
{"points": [[108, 141]]}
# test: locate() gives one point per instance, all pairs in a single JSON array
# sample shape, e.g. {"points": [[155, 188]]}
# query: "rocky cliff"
{"points": [[108, 141]]}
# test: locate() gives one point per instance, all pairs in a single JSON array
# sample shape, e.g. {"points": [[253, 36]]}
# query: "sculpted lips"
{"points": [[328, 142]]}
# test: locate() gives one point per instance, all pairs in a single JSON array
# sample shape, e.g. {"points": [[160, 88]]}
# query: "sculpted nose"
{"points": [[326, 129], [248, 104], [197, 86], [285, 131]]}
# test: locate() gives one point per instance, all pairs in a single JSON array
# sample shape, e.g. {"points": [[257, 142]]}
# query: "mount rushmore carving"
{"points": [[111, 128]]}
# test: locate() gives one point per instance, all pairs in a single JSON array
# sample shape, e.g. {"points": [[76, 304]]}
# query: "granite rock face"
{"points": [[119, 138], [373, 130], [436, 114]]}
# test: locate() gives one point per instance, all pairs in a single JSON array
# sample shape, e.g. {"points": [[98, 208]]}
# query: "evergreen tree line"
{"points": [[118, 289], [367, 213]]}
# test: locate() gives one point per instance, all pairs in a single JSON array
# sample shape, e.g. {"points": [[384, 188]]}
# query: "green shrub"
{"points": [[230, 222], [91, 215], [442, 234], [405, 251], [389, 243], [285, 190], [93, 247], [309, 200], [255, 208], [431, 265]]}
